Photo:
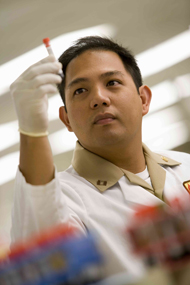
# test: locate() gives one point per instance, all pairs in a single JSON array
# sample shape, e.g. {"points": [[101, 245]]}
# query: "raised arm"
{"points": [[29, 93]]}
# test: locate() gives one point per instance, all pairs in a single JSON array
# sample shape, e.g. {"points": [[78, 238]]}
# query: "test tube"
{"points": [[46, 41]]}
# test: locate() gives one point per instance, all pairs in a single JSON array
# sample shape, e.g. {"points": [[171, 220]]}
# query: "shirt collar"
{"points": [[104, 174]]}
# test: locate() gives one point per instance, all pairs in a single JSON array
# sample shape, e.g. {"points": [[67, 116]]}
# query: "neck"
{"points": [[129, 157]]}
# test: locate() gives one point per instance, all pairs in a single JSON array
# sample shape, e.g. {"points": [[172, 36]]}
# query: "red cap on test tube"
{"points": [[46, 41]]}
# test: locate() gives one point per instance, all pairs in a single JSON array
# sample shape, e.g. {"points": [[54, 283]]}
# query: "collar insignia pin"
{"points": [[164, 158], [186, 184], [102, 182]]}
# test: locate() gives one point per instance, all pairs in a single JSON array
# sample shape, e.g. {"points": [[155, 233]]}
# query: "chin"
{"points": [[109, 139]]}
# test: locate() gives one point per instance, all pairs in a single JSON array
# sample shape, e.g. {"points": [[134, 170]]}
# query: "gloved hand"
{"points": [[29, 93]]}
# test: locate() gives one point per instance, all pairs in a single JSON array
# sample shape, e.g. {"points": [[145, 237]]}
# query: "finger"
{"points": [[29, 95], [34, 71], [44, 79], [45, 89], [47, 59], [19, 85]]}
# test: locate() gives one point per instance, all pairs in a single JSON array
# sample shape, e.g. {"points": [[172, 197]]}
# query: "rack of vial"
{"points": [[57, 256], [160, 235]]}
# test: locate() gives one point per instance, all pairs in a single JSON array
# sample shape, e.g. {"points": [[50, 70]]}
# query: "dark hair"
{"points": [[99, 43]]}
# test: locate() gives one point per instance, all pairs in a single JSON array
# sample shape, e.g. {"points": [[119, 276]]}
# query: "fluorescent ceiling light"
{"points": [[165, 54], [154, 123], [54, 103], [170, 137], [169, 92], [62, 141], [163, 94], [8, 167], [9, 134], [166, 129], [183, 85], [12, 69]]}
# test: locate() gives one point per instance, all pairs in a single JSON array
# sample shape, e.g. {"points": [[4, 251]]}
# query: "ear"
{"points": [[64, 118], [145, 95]]}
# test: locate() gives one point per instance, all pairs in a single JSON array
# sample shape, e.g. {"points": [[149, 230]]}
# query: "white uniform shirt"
{"points": [[95, 195]]}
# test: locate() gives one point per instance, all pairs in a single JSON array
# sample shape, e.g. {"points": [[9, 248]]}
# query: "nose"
{"points": [[99, 98]]}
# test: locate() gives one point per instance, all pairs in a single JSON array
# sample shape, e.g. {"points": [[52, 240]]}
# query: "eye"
{"points": [[79, 91], [113, 83]]}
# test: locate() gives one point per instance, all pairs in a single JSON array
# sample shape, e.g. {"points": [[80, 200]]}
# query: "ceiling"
{"points": [[139, 25]]}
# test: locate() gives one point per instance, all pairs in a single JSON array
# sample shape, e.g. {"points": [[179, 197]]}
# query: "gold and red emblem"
{"points": [[186, 184]]}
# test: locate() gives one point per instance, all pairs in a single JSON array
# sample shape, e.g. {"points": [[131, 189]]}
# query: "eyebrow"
{"points": [[85, 79], [110, 73]]}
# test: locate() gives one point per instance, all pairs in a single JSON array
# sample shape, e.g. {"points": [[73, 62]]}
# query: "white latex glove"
{"points": [[29, 93]]}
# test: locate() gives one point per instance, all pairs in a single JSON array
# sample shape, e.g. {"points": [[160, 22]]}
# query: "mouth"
{"points": [[103, 119]]}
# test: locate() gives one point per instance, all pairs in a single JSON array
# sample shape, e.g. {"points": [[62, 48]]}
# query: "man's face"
{"points": [[103, 105]]}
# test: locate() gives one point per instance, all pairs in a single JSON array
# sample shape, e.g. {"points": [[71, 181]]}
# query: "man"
{"points": [[112, 172]]}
